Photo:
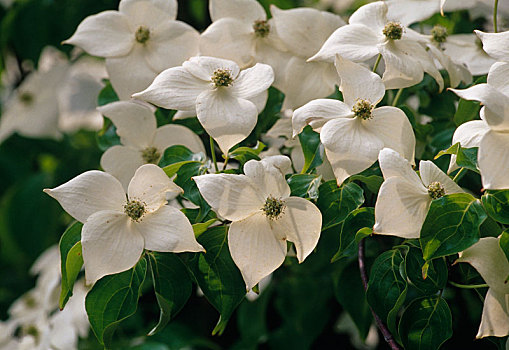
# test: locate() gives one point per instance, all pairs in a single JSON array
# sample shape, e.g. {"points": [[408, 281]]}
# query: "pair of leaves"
{"points": [[71, 261], [245, 154], [496, 203], [465, 157], [312, 149]]}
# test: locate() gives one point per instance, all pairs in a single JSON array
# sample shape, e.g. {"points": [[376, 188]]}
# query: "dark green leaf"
{"points": [[452, 225], [336, 203], [496, 204], [69, 258], [107, 136], [465, 157], [372, 182], [244, 154], [177, 154], [426, 323], [113, 299], [191, 192], [304, 185], [356, 220], [436, 272], [467, 111], [312, 148], [504, 242], [107, 94]]}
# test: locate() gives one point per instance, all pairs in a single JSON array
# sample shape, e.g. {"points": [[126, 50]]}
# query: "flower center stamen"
{"points": [[150, 155], [222, 77], [273, 207], [436, 190], [363, 109], [439, 34], [142, 34], [261, 28], [393, 31], [134, 209], [26, 98]]}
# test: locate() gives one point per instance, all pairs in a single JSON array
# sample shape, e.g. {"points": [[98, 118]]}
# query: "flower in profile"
{"points": [[263, 216], [354, 131], [138, 41], [404, 197], [142, 141], [488, 258], [117, 228], [223, 97]]}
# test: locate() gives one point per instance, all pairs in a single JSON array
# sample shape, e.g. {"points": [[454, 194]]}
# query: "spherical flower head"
{"points": [[222, 77], [393, 31], [273, 207], [439, 34], [261, 28], [150, 155], [142, 34], [436, 190], [135, 210], [363, 109]]}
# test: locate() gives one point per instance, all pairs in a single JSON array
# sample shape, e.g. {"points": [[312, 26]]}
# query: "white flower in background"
{"points": [[117, 228], [372, 31], [491, 133], [263, 216], [303, 32], [404, 197], [139, 41], [489, 260], [467, 49], [495, 44], [221, 95], [353, 132], [142, 142]]}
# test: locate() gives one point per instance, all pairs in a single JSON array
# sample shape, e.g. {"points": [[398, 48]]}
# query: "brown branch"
{"points": [[381, 326]]}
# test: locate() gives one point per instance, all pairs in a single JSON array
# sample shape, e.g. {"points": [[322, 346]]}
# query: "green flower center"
{"points": [[142, 34], [363, 109], [222, 77], [393, 31], [32, 330], [150, 155], [26, 98], [273, 207], [261, 28], [439, 34], [135, 210], [436, 190]]}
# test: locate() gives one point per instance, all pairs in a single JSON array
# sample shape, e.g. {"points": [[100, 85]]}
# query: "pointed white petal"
{"points": [[355, 42], [174, 88], [111, 244], [373, 15], [106, 34], [318, 112], [168, 230], [495, 44], [184, 114], [494, 160], [174, 134], [408, 12], [255, 249], [251, 82], [135, 123], [226, 118], [430, 173], [268, 176], [148, 12], [301, 224], [498, 76], [122, 162], [495, 315], [358, 82], [401, 68], [233, 197], [203, 67], [150, 185], [245, 10], [469, 135], [401, 208], [350, 147], [88, 193], [393, 164]]}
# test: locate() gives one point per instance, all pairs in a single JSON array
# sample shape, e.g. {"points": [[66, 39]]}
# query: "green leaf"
{"points": [[178, 154], [70, 260], [312, 148], [451, 226], [107, 94], [216, 274], [467, 111], [201, 227], [387, 287], [304, 185], [426, 324], [504, 242], [436, 276], [172, 286], [113, 299], [244, 154], [355, 221], [372, 182], [496, 204], [336, 203], [465, 157], [107, 137], [191, 192]]}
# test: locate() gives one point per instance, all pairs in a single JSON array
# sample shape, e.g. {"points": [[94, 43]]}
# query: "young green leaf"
{"points": [[312, 148], [496, 203], [436, 277], [355, 221], [71, 260], [336, 203]]}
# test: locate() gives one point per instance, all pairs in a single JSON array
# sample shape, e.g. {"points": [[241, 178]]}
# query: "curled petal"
{"points": [[253, 81], [495, 44], [401, 68], [393, 164], [495, 315], [203, 67], [318, 112], [268, 176], [373, 15], [469, 135], [431, 173]]}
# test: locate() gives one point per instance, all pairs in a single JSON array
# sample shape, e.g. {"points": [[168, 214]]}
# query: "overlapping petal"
{"points": [[268, 176], [493, 160], [318, 112], [469, 135], [495, 44], [393, 164], [253, 81], [431, 173], [174, 134], [245, 10], [122, 162], [148, 12]]}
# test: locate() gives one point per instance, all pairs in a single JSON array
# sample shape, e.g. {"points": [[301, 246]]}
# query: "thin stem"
{"points": [[458, 174], [468, 286], [396, 98], [213, 153], [377, 62], [381, 326], [495, 10], [225, 162]]}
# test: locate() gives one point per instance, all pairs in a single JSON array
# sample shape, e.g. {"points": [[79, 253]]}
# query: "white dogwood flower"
{"points": [[404, 197], [263, 216], [467, 49], [491, 134], [117, 228], [353, 132], [489, 260], [142, 142], [222, 96], [138, 41], [495, 44]]}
